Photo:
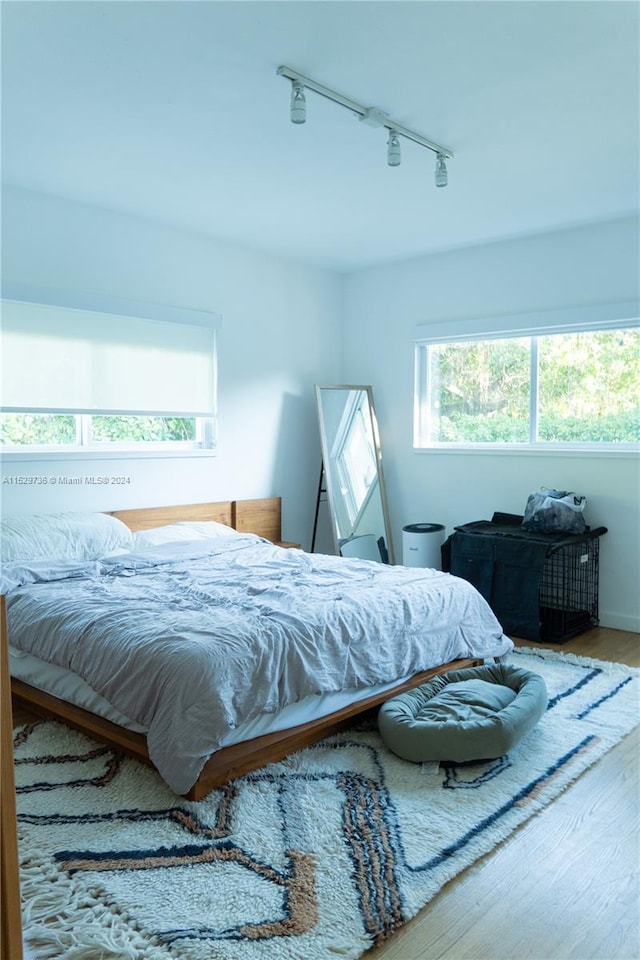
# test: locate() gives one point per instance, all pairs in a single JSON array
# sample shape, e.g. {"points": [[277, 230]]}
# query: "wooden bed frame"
{"points": [[263, 517]]}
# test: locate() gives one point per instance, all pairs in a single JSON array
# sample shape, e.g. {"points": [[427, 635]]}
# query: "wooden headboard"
{"points": [[262, 516]]}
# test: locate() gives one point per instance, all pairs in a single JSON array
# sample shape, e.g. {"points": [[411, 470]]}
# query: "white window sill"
{"points": [[49, 456], [533, 450]]}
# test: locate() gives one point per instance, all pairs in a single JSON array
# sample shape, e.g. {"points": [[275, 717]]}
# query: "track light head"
{"points": [[442, 177], [394, 155], [298, 103]]}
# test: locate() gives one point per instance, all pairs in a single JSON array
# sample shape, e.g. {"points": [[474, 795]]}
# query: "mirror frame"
{"points": [[331, 492]]}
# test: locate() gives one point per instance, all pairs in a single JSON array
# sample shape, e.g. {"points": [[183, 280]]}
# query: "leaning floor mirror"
{"points": [[352, 464]]}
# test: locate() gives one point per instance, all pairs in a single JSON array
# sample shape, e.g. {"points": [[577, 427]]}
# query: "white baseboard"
{"points": [[619, 621]]}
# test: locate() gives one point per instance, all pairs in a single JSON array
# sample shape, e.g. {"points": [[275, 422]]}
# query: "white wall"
{"points": [[580, 267], [280, 335]]}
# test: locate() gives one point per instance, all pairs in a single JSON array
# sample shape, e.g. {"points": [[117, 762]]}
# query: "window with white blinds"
{"points": [[135, 374]]}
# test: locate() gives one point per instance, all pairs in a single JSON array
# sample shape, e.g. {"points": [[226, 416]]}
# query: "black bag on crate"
{"points": [[554, 511]]}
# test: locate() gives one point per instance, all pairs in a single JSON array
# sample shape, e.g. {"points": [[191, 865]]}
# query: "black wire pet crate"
{"points": [[541, 586]]}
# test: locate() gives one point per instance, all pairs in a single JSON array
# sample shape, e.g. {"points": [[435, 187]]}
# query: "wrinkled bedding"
{"points": [[192, 639]]}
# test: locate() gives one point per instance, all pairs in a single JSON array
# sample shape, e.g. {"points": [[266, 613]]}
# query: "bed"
{"points": [[198, 641]]}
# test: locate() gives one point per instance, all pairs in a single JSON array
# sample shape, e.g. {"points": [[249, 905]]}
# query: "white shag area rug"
{"points": [[321, 856]]}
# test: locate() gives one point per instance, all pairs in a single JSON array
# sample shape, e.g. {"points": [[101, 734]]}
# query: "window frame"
{"points": [[87, 448], [352, 419], [603, 317]]}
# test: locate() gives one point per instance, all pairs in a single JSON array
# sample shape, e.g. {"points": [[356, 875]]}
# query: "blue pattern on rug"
{"points": [[328, 852]]}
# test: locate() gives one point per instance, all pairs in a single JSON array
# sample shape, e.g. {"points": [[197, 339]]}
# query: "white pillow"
{"points": [[62, 536], [208, 528], [181, 531]]}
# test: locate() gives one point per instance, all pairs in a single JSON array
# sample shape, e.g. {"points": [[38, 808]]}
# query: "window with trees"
{"points": [[42, 431], [126, 377], [571, 388]]}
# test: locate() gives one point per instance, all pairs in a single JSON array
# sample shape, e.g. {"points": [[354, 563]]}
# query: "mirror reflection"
{"points": [[353, 472]]}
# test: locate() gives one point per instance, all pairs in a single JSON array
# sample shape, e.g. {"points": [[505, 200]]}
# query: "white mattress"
{"points": [[68, 686]]}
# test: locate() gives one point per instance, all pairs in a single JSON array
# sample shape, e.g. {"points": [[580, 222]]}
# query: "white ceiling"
{"points": [[173, 111]]}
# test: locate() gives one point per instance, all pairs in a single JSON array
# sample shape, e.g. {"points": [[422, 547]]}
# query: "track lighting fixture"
{"points": [[442, 177], [394, 155], [370, 116], [298, 103]]}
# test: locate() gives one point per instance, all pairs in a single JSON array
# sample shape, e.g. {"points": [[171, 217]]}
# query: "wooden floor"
{"points": [[565, 885]]}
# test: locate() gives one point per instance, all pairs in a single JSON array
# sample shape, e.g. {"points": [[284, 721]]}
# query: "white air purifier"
{"points": [[421, 543]]}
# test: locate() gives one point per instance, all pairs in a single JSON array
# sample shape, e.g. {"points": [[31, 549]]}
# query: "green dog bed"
{"points": [[479, 713]]}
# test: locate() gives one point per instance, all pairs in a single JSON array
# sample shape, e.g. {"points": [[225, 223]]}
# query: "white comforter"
{"points": [[195, 638]]}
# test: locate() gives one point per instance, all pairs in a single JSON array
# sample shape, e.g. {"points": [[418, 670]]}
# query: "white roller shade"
{"points": [[64, 359]]}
